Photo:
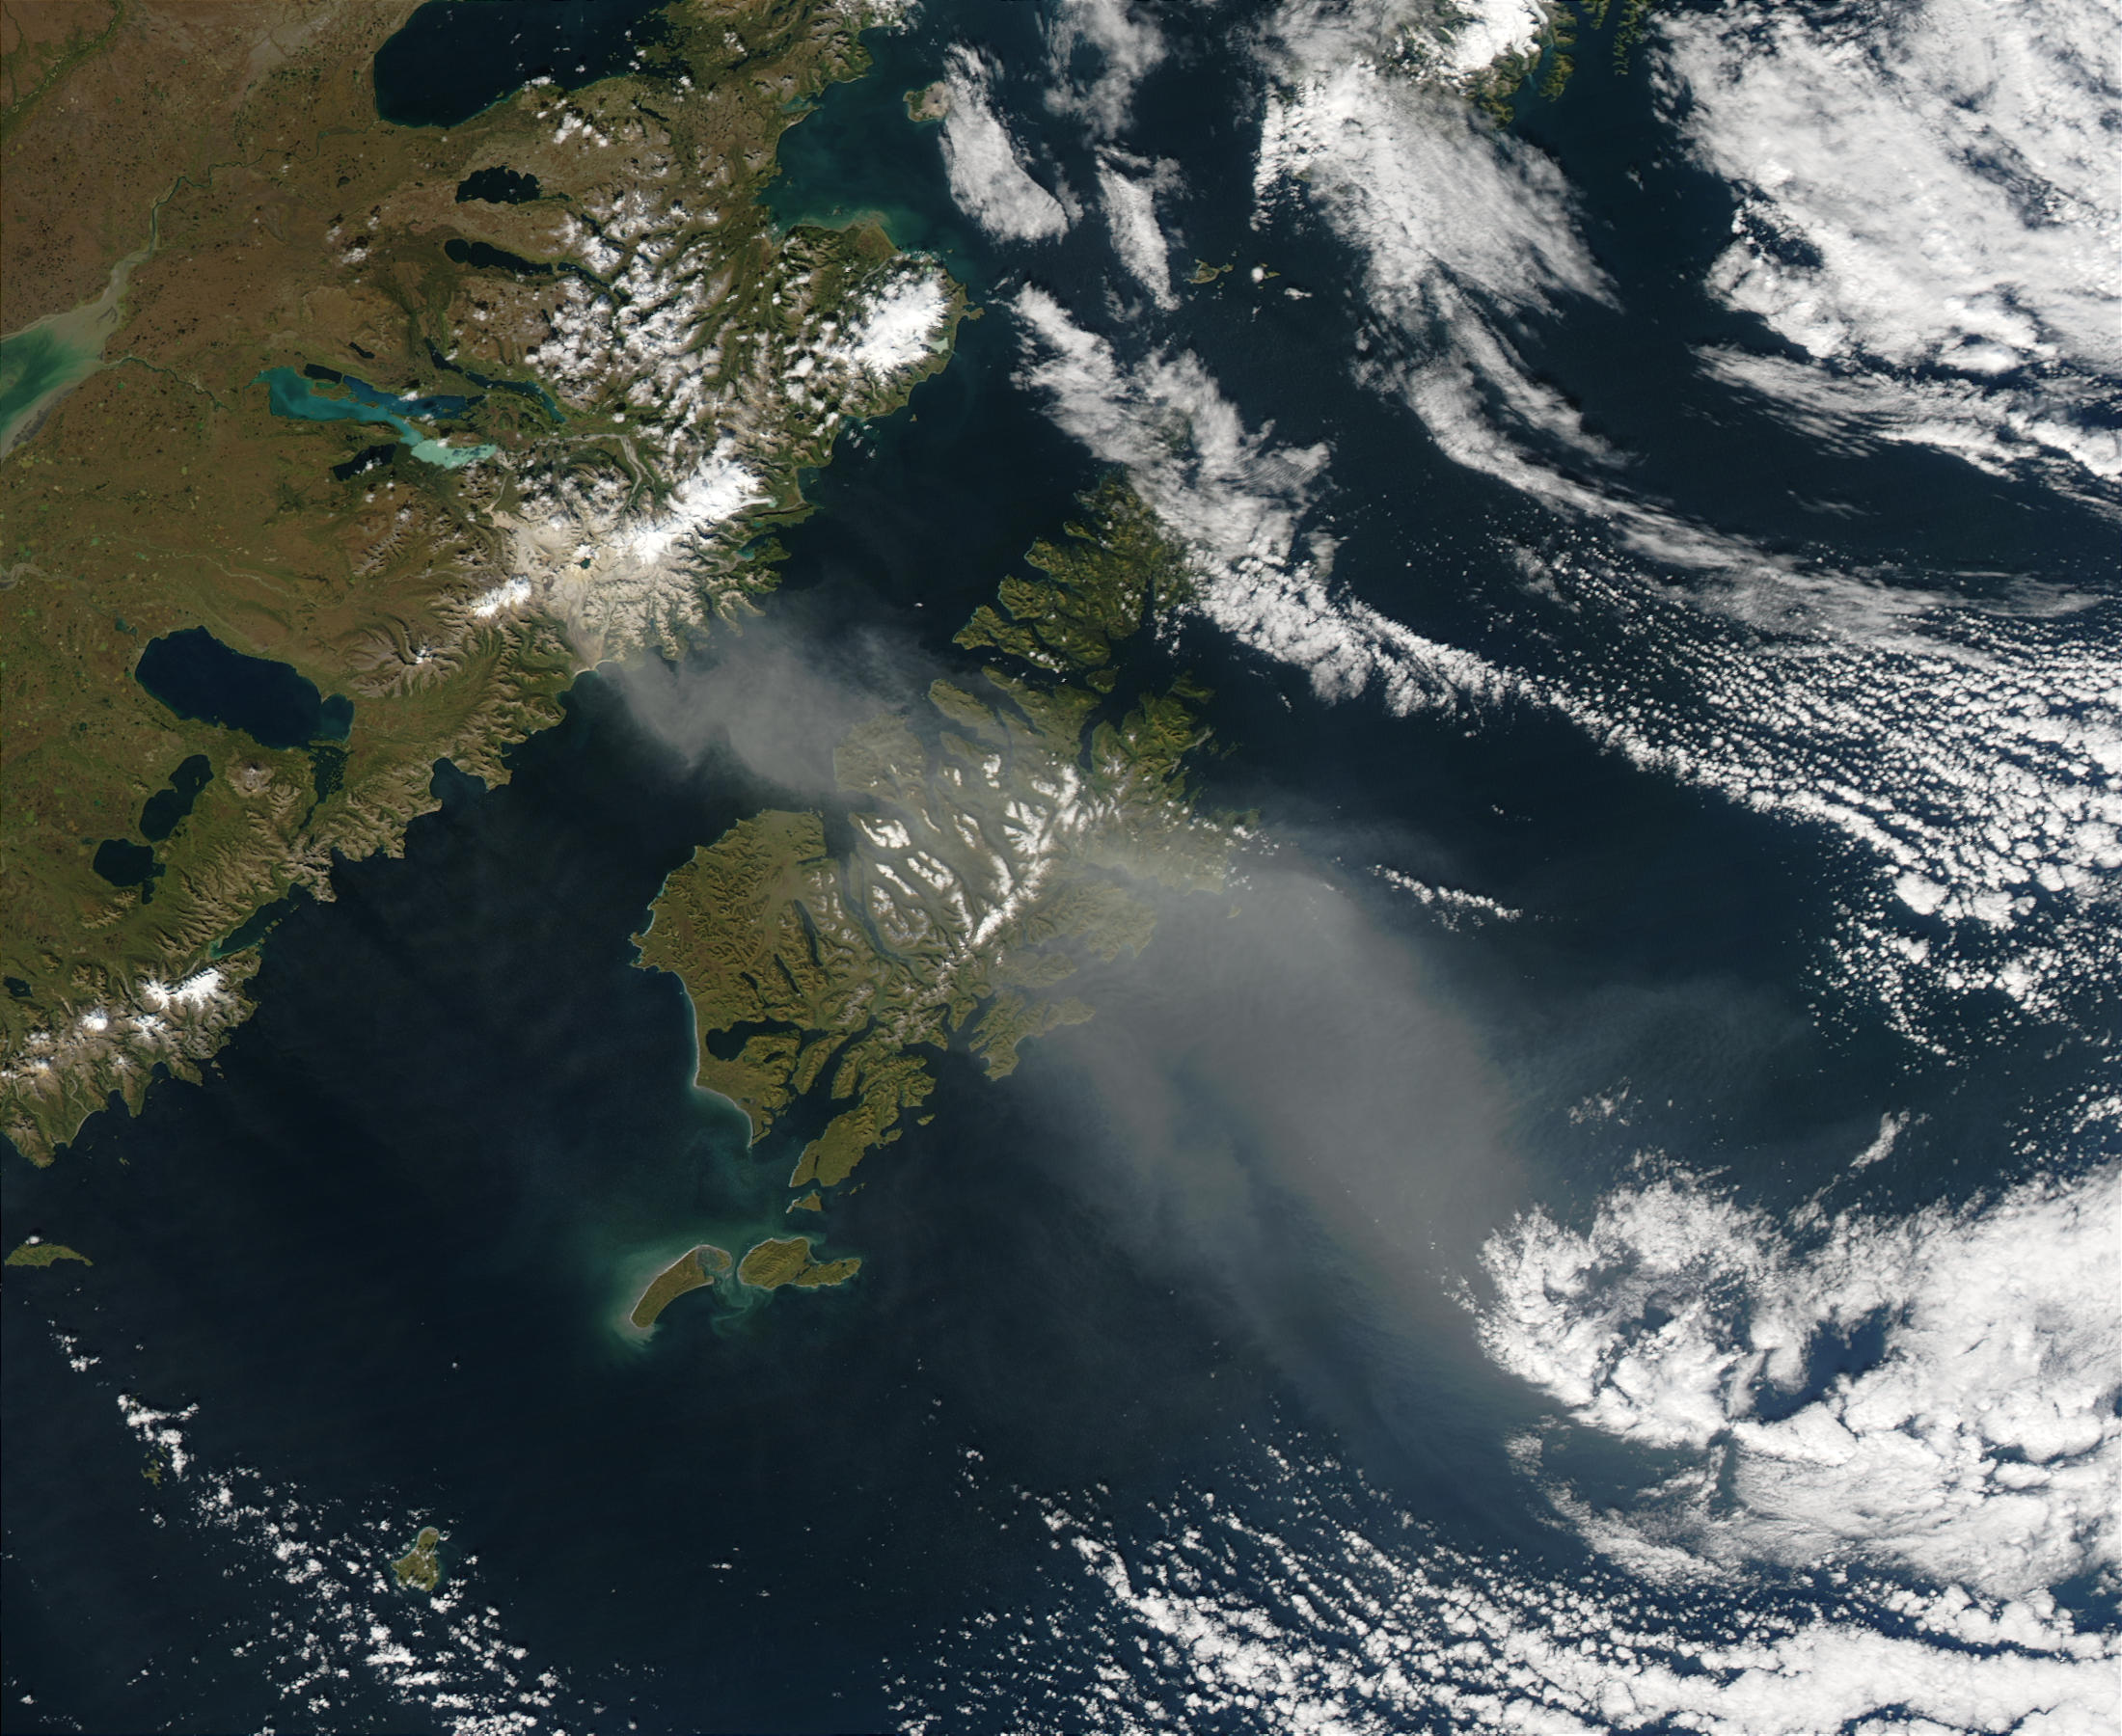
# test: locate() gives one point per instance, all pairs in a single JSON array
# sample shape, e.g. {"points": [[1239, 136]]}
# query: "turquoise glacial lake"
{"points": [[293, 396]]}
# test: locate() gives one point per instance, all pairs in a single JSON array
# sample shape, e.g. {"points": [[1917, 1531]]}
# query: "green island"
{"points": [[690, 1271], [44, 1254], [930, 103], [420, 1567], [775, 1262], [618, 385], [1003, 833]]}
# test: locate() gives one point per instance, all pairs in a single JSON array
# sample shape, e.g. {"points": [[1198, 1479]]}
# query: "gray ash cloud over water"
{"points": [[1611, 1224], [1644, 544]]}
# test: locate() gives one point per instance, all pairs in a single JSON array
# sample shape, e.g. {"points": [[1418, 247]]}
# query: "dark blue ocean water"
{"points": [[453, 58], [383, 1246]]}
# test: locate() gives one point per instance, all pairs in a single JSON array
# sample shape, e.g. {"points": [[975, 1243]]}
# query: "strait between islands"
{"points": [[768, 1265], [686, 359], [1005, 831]]}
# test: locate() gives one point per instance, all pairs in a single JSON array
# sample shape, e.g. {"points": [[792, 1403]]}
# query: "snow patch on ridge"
{"points": [[900, 327], [1486, 31], [509, 595], [714, 494]]}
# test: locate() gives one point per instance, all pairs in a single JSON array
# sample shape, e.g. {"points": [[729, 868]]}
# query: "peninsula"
{"points": [[429, 455]]}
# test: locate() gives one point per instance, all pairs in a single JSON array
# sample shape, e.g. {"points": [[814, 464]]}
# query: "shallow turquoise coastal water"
{"points": [[35, 364]]}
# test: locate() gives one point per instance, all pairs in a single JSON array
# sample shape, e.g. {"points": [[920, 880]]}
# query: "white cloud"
{"points": [[1137, 236], [1292, 1597], [1463, 232], [1976, 1440], [1455, 908], [1125, 45], [1965, 762], [1968, 754], [1992, 428], [1484, 31], [1971, 754], [1237, 499], [1925, 186], [325, 1620], [1426, 188], [1974, 754], [1232, 492], [988, 175]]}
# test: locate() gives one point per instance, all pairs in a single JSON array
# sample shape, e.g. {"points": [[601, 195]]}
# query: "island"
{"points": [[774, 1263], [420, 1567], [36, 1253], [930, 103], [693, 1269], [1017, 831]]}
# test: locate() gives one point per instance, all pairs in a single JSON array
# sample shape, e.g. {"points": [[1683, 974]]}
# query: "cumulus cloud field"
{"points": [[1916, 1409]]}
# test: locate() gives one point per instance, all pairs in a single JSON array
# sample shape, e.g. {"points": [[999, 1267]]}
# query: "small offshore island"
{"points": [[36, 1253], [778, 1262], [656, 363], [690, 1271], [420, 1567], [768, 1265]]}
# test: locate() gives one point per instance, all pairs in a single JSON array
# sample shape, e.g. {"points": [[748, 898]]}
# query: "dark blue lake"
{"points": [[159, 817], [198, 677], [498, 185]]}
